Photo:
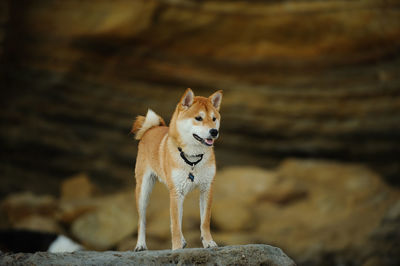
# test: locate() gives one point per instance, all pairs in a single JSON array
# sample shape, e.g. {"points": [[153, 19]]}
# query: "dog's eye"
{"points": [[214, 119], [198, 118]]}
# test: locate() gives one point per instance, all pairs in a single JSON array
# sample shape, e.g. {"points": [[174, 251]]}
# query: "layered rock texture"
{"points": [[301, 78], [233, 255]]}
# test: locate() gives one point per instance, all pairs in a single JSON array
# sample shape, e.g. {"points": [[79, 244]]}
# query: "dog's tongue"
{"points": [[209, 141]]}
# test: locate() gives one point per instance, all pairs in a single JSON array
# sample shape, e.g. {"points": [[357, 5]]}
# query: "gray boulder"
{"points": [[229, 255]]}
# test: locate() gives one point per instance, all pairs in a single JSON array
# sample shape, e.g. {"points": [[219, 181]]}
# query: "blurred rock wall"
{"points": [[319, 212], [301, 79]]}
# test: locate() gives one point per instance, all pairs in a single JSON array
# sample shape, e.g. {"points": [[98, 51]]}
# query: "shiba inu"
{"points": [[181, 156]]}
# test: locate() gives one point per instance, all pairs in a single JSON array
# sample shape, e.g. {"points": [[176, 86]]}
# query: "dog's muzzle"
{"points": [[207, 141]]}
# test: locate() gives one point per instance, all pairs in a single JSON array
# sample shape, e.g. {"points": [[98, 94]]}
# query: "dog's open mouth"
{"points": [[208, 142]]}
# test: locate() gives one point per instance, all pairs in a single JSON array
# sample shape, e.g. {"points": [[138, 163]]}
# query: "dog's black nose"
{"points": [[213, 132]]}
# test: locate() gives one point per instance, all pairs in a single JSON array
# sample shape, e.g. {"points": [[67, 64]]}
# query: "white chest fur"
{"points": [[203, 172], [202, 178]]}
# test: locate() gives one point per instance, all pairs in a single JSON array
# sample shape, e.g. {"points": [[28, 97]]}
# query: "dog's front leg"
{"points": [[205, 217], [176, 211]]}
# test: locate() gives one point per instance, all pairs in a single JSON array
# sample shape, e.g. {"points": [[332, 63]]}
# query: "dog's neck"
{"points": [[198, 157]]}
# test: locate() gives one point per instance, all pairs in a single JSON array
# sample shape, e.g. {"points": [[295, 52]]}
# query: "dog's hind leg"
{"points": [[144, 185]]}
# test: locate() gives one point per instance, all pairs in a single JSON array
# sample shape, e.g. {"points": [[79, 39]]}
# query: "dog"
{"points": [[181, 156]]}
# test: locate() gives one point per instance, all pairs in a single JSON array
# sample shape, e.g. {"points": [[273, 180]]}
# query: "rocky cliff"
{"points": [[301, 78], [233, 255], [318, 212]]}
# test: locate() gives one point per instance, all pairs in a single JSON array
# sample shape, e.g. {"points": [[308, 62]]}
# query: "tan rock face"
{"points": [[309, 208], [22, 205], [110, 223], [309, 79], [69, 210], [77, 198], [340, 201], [245, 184], [229, 215], [27, 211], [77, 187], [39, 223], [158, 217], [305, 79]]}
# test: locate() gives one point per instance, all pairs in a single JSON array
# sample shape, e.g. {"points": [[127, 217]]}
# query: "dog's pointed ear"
{"points": [[187, 98], [216, 99]]}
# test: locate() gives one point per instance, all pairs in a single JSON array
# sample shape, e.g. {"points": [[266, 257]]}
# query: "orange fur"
{"points": [[137, 124], [141, 125]]}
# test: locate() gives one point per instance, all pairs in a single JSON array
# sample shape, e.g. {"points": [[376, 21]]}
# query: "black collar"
{"points": [[192, 164]]}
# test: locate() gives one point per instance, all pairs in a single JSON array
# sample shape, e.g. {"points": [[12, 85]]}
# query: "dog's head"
{"points": [[197, 119]]}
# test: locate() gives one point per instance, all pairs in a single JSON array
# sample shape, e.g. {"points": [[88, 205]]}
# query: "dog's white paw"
{"points": [[209, 244], [140, 248]]}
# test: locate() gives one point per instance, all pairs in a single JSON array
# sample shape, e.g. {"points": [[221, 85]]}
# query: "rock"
{"points": [[77, 187], [4, 222], [340, 199], [160, 226], [158, 218], [393, 213], [192, 238], [230, 255], [243, 184], [39, 223], [228, 215], [110, 223], [290, 89], [127, 244], [239, 189], [153, 242], [191, 211], [158, 214], [383, 244], [284, 191], [22, 205], [315, 210], [158, 203], [70, 210], [239, 238]]}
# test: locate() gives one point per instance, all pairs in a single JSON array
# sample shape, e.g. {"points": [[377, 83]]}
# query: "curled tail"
{"points": [[142, 124]]}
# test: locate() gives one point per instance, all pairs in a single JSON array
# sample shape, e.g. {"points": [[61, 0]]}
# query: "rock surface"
{"points": [[310, 208], [230, 255], [22, 205], [338, 200], [39, 223], [111, 222], [300, 78], [98, 222], [77, 187]]}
